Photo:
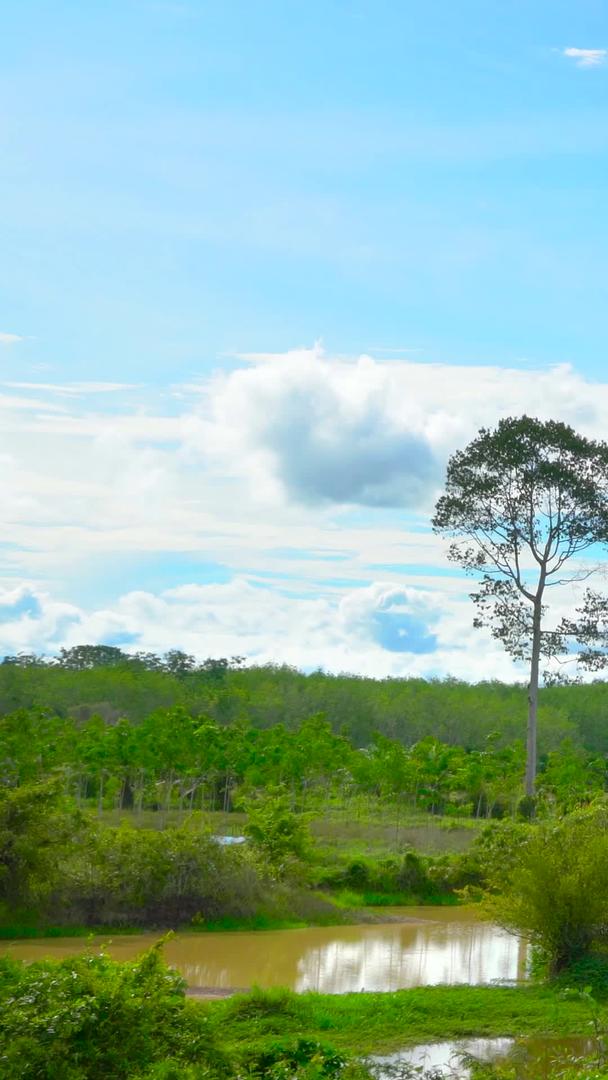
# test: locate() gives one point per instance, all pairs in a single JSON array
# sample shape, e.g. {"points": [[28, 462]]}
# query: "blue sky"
{"points": [[185, 184]]}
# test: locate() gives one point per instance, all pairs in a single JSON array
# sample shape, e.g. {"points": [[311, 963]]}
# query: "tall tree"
{"points": [[521, 501]]}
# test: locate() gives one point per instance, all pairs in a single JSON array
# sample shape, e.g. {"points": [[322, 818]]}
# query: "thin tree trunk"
{"points": [[533, 700]]}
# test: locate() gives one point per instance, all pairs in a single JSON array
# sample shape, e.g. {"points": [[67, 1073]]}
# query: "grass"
{"points": [[342, 834], [261, 921], [375, 1022], [224, 824], [16, 932], [351, 901], [212, 926], [384, 832], [254, 922], [376, 830], [325, 913]]}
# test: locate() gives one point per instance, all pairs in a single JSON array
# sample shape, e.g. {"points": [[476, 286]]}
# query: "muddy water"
{"points": [[427, 945], [534, 1058]]}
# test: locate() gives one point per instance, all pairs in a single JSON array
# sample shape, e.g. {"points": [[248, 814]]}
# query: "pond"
{"points": [[422, 946], [535, 1058]]}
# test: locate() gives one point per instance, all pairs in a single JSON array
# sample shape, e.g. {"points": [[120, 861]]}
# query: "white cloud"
{"points": [[328, 440], [237, 618], [295, 473], [586, 58], [73, 389], [319, 432], [236, 471], [19, 404], [303, 427], [9, 339]]}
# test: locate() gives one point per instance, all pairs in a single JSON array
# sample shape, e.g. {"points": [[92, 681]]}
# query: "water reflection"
{"points": [[536, 1058], [441, 1057], [428, 946], [402, 955]]}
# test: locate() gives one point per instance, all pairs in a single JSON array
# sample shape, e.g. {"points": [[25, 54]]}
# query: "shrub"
{"points": [[554, 887], [165, 878], [280, 836], [89, 1017], [356, 875], [412, 874], [35, 825], [276, 1004], [300, 1058]]}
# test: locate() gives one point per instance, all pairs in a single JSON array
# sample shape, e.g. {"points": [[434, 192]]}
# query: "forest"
{"points": [[159, 793], [118, 772], [163, 732]]}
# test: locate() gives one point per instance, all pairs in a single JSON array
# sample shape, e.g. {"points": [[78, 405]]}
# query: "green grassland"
{"points": [[377, 1022]]}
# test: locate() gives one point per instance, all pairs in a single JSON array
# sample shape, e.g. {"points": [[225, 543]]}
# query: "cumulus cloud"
{"points": [[32, 621], [586, 58], [18, 602], [310, 428], [321, 432], [341, 634], [307, 479]]}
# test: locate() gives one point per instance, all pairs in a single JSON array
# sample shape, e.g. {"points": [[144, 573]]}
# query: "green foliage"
{"points": [[576, 1069], [410, 878], [163, 878], [495, 851], [35, 826], [572, 777], [89, 1017], [366, 1023], [151, 736], [298, 1059], [58, 867], [351, 707], [276, 1005], [520, 501], [553, 885], [197, 738], [280, 836], [589, 974]]}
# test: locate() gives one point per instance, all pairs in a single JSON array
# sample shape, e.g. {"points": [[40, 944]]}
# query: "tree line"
{"points": [[405, 709], [176, 759]]}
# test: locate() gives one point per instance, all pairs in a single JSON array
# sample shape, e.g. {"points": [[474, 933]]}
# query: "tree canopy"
{"points": [[522, 504]]}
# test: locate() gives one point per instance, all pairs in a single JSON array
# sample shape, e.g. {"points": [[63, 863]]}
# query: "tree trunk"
{"points": [[533, 700]]}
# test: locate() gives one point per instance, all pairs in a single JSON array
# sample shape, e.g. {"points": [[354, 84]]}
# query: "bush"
{"points": [[279, 835], [300, 1058], [412, 875], [276, 1004], [356, 875], [89, 1017], [588, 974], [553, 886], [35, 825], [167, 878], [58, 867]]}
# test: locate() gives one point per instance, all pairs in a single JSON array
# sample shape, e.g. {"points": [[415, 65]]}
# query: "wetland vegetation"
{"points": [[110, 817]]}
